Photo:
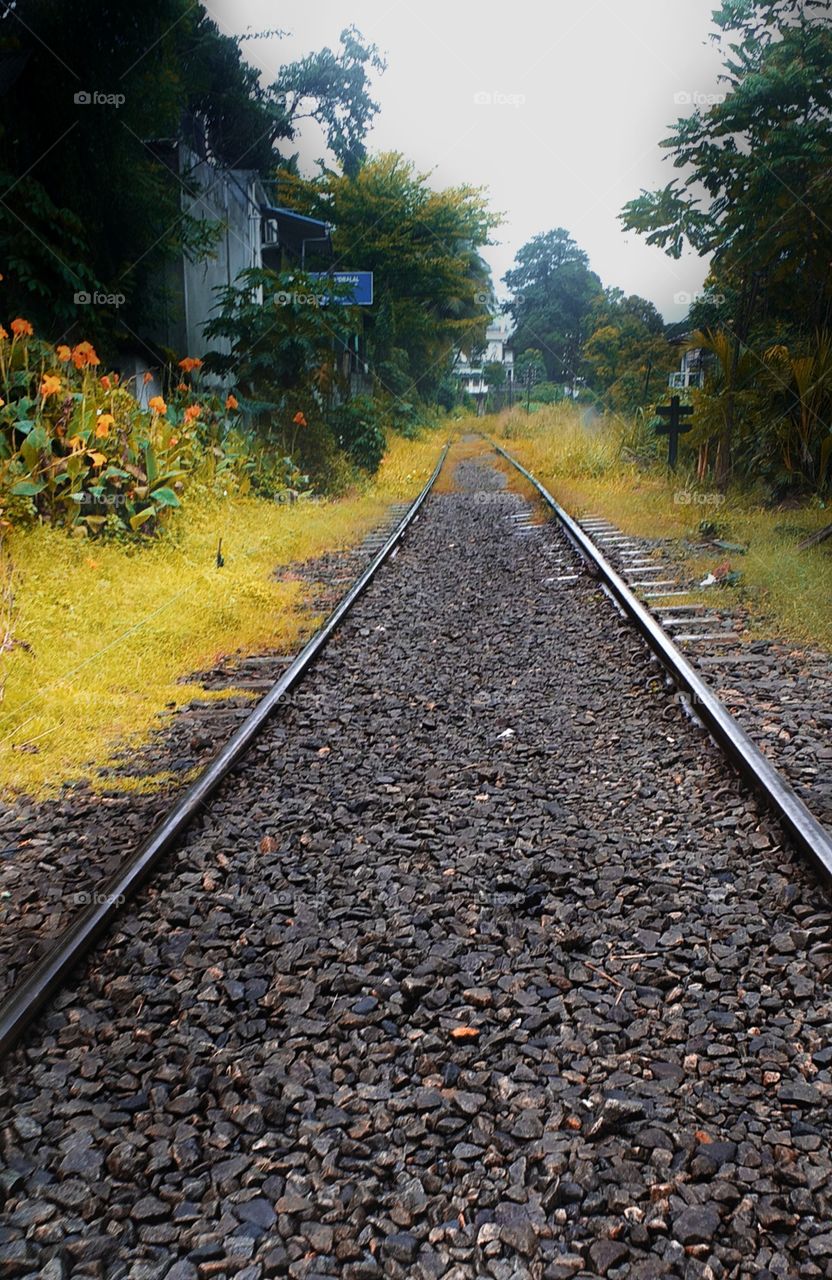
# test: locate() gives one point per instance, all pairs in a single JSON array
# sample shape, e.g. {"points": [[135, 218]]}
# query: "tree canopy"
{"points": [[88, 197], [756, 184], [432, 289], [552, 290]]}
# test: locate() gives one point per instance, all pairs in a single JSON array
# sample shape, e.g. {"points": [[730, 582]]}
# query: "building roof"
{"points": [[294, 229]]}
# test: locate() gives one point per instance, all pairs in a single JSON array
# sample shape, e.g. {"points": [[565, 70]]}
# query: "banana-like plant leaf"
{"points": [[165, 496], [140, 517]]}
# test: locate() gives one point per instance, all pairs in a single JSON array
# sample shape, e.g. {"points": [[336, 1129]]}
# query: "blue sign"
{"points": [[361, 283]]}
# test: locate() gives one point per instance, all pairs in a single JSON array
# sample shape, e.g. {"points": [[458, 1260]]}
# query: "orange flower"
{"points": [[148, 377], [157, 404], [193, 411], [50, 386], [190, 363], [102, 426], [182, 386], [105, 382], [21, 327], [3, 334], [84, 354], [299, 420], [2, 402], [63, 353], [231, 402], [174, 440]]}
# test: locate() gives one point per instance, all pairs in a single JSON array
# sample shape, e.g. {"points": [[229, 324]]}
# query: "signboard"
{"points": [[361, 283]]}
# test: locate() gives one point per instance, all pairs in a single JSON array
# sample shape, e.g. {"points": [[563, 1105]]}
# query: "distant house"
{"points": [[691, 371], [497, 350]]}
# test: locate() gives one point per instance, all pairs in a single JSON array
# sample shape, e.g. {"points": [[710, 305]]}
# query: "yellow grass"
{"points": [[788, 592], [105, 634]]}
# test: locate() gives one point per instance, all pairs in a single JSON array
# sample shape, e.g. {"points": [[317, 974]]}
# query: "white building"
{"points": [[691, 372], [497, 350]]}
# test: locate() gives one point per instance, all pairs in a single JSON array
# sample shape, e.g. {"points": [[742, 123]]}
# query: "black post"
{"points": [[674, 412]]}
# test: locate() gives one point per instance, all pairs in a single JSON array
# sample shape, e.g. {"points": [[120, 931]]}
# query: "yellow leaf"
{"points": [[97, 459]]}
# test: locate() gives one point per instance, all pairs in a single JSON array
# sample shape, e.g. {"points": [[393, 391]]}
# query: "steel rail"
{"points": [[22, 1005], [811, 837]]}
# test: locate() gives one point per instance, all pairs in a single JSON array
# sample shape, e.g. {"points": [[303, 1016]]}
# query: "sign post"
{"points": [[360, 283], [674, 412]]}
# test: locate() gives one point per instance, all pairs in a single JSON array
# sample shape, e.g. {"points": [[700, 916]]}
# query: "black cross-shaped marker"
{"points": [[674, 412]]}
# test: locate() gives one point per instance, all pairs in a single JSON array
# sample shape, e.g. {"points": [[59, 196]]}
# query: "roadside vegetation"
{"points": [[610, 467], [99, 634]]}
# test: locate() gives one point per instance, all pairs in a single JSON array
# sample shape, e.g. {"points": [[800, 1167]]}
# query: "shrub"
{"points": [[78, 450]]}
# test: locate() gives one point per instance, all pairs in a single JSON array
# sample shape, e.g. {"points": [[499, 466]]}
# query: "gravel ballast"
{"points": [[482, 965]]}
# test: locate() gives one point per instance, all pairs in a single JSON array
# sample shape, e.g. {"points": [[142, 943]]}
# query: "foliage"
{"points": [[495, 374], [799, 389], [78, 449], [71, 222], [431, 287], [530, 367], [548, 393], [357, 426], [553, 290], [755, 193], [626, 353]]}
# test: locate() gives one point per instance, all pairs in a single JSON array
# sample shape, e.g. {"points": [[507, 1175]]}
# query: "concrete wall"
{"points": [[228, 200]]}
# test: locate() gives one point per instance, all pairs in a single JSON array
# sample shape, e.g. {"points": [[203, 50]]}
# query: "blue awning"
{"points": [[296, 229]]}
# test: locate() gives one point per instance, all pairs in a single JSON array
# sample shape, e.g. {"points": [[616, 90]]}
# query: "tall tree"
{"points": [[432, 289], [553, 291], [757, 187]]}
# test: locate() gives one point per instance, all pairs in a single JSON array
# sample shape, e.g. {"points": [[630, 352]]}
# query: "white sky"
{"points": [[592, 89]]}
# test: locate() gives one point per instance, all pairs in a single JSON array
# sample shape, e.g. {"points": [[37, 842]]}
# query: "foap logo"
{"points": [[694, 98], [86, 898], [496, 98], [688, 498], [283, 299], [83, 298], [685, 299], [83, 98]]}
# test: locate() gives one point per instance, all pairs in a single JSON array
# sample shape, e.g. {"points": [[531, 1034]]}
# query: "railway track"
{"points": [[482, 967]]}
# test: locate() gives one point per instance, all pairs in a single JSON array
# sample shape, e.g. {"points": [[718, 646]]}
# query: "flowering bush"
{"points": [[78, 449]]}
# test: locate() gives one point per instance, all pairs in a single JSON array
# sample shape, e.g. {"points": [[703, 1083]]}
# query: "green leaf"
{"points": [[138, 520], [165, 496], [28, 488], [150, 464], [38, 439]]}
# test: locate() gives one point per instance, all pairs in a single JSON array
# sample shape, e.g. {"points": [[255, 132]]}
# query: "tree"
{"points": [[431, 287], [757, 191], [495, 374], [553, 290], [757, 187], [626, 365], [626, 357], [89, 199]]}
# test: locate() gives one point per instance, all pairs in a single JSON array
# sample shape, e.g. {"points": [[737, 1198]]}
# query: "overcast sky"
{"points": [[557, 108]]}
